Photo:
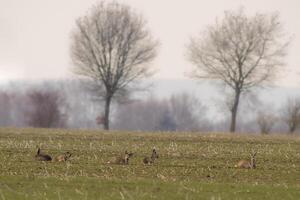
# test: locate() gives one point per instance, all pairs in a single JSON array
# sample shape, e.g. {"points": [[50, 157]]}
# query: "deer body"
{"points": [[64, 157], [150, 160], [246, 164], [42, 157], [121, 160]]}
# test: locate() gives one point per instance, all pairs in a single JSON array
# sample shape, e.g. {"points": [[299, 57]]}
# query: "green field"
{"points": [[190, 166]]}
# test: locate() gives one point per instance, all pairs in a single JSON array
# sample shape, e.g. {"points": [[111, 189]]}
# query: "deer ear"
{"points": [[68, 154]]}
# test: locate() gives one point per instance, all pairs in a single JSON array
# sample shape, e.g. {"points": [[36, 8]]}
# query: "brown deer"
{"points": [[246, 164], [150, 160], [64, 157], [42, 157], [121, 160]]}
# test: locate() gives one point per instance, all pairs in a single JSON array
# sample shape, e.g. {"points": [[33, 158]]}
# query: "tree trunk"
{"points": [[107, 112], [292, 128], [234, 110]]}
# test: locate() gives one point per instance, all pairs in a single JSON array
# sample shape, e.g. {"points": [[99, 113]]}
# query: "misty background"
{"points": [[35, 66], [149, 110]]}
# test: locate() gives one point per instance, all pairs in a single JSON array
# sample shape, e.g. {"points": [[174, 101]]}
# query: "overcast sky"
{"points": [[34, 34]]}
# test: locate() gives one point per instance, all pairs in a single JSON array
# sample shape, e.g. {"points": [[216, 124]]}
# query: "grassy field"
{"points": [[190, 166]]}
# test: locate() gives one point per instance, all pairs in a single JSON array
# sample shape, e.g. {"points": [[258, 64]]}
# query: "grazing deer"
{"points": [[121, 160], [246, 164], [64, 157], [150, 160], [42, 157]]}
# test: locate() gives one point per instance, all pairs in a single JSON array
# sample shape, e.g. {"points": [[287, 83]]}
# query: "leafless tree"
{"points": [[144, 115], [241, 51], [180, 112], [5, 109], [188, 112], [44, 109], [291, 114], [112, 47], [265, 122]]}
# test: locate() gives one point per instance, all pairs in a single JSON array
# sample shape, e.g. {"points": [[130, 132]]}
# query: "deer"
{"points": [[42, 157], [121, 160], [150, 160], [246, 164], [64, 157]]}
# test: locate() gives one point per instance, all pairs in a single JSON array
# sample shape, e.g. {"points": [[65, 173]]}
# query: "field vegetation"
{"points": [[190, 165]]}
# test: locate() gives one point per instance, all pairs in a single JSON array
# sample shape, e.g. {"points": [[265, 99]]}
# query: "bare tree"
{"points": [[291, 114], [241, 51], [181, 112], [265, 122], [188, 112], [145, 115], [5, 109], [166, 121], [44, 109], [112, 47]]}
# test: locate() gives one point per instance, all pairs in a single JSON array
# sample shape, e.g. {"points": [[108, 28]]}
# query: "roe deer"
{"points": [[64, 157], [121, 160], [246, 164], [42, 157], [150, 160]]}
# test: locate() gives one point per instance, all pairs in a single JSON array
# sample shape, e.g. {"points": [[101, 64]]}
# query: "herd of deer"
{"points": [[124, 159]]}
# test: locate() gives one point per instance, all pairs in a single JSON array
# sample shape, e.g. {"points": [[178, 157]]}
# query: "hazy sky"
{"points": [[34, 34]]}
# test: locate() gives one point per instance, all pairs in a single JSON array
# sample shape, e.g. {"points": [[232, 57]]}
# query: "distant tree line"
{"points": [[67, 104], [48, 105], [180, 112]]}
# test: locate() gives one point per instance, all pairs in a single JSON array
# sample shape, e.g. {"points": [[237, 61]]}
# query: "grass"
{"points": [[190, 166]]}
